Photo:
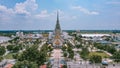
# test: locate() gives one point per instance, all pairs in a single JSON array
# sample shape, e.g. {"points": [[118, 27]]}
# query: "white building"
{"points": [[94, 36], [19, 34], [4, 39], [34, 36], [116, 37]]}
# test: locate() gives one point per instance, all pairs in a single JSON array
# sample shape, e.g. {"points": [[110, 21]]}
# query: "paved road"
{"points": [[78, 65], [41, 44], [71, 41], [57, 57]]}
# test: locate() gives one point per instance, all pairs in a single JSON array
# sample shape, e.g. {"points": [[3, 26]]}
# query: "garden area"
{"points": [[100, 53]]}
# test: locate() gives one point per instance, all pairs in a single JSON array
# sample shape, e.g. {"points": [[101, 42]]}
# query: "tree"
{"points": [[65, 54], [116, 56], [50, 48], [111, 49], [41, 58], [71, 55], [15, 39], [16, 48], [10, 47], [63, 48], [71, 52], [84, 53], [32, 54], [15, 56], [64, 66], [13, 48], [25, 64], [2, 50], [78, 46], [99, 46], [37, 41], [1, 58], [95, 59]]}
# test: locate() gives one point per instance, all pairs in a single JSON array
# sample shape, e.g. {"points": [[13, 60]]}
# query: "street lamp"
{"points": [[86, 63]]}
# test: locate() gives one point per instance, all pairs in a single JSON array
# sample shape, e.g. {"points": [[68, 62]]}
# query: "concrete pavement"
{"points": [[57, 56]]}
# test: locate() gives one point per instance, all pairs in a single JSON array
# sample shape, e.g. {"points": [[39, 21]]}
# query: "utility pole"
{"points": [[86, 63], [93, 64]]}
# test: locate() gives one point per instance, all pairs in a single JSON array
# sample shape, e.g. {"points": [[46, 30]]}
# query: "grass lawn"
{"points": [[9, 56], [102, 54]]}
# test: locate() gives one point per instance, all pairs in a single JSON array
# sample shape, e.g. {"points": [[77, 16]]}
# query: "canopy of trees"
{"points": [[14, 48], [31, 55], [116, 56], [2, 50], [95, 59], [84, 53], [110, 49], [25, 64]]}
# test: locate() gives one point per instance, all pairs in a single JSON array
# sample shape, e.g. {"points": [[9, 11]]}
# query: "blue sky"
{"points": [[74, 14]]}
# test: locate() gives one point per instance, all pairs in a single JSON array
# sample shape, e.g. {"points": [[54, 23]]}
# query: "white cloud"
{"points": [[5, 13], [26, 7], [84, 10], [4, 9], [20, 9], [43, 14], [25, 12], [114, 3]]}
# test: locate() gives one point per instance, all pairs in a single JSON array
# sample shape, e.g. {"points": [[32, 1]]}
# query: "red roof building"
{"points": [[43, 66], [9, 66]]}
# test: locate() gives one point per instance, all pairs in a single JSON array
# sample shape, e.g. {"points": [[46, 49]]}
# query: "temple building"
{"points": [[57, 30], [57, 39]]}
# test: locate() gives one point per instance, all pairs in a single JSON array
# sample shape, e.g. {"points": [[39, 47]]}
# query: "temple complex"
{"points": [[57, 39]]}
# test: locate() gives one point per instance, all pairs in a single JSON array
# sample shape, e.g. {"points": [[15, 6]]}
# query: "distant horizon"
{"points": [[62, 30]]}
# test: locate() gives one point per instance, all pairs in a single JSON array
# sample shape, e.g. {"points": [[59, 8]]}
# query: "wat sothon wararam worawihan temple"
{"points": [[56, 37]]}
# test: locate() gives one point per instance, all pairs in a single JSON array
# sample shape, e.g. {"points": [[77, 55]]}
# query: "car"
{"points": [[105, 63]]}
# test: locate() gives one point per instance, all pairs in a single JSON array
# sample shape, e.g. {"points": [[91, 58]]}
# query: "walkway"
{"points": [[57, 57], [41, 44]]}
